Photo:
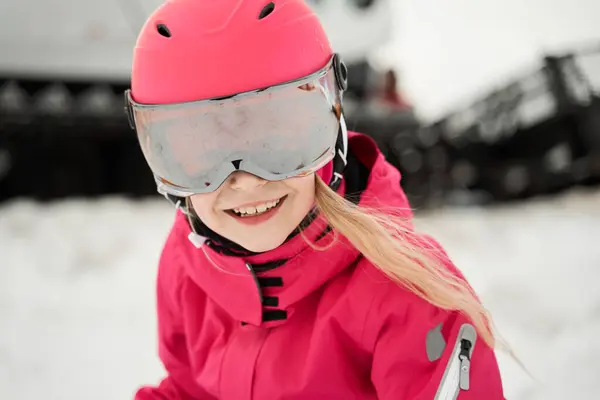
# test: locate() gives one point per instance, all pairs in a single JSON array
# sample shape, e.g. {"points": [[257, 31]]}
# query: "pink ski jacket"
{"points": [[298, 323]]}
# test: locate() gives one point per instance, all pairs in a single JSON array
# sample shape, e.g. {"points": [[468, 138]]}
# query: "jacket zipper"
{"points": [[457, 374]]}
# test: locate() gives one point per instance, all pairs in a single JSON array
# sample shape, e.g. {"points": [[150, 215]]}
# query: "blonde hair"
{"points": [[390, 243]]}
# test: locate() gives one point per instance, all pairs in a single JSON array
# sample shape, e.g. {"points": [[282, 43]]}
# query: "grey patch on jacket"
{"points": [[435, 343]]}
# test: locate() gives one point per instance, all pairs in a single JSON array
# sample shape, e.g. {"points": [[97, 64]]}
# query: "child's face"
{"points": [[258, 231]]}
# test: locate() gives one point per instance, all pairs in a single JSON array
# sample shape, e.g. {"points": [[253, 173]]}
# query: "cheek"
{"points": [[304, 188], [203, 205]]}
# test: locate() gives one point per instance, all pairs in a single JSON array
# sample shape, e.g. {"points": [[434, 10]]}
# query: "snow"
{"points": [[77, 292]]}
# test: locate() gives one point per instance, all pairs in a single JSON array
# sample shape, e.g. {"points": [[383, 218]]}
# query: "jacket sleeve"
{"points": [[172, 345], [423, 352], [420, 354]]}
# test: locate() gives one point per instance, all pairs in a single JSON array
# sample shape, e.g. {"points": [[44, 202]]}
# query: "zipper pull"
{"points": [[465, 363]]}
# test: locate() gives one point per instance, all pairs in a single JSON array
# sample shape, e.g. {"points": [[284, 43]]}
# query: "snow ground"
{"points": [[77, 293]]}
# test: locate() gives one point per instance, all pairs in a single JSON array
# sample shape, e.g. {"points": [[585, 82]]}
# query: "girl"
{"points": [[292, 270]]}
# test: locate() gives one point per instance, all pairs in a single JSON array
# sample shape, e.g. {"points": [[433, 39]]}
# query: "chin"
{"points": [[261, 246]]}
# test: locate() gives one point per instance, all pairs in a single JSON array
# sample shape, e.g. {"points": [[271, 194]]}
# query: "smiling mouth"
{"points": [[259, 209]]}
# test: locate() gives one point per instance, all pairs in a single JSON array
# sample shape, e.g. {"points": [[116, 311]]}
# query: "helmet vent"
{"points": [[268, 9], [163, 30]]}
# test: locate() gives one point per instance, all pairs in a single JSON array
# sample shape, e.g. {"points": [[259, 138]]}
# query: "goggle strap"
{"points": [[129, 110], [341, 72]]}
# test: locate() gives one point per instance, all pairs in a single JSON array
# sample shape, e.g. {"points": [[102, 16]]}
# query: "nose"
{"points": [[245, 181]]}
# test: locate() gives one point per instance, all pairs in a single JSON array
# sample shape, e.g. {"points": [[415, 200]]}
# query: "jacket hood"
{"points": [[262, 289]]}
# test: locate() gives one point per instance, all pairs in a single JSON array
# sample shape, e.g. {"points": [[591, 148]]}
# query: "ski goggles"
{"points": [[275, 133]]}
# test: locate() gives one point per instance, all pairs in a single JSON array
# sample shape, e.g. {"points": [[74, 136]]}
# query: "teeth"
{"points": [[259, 209]]}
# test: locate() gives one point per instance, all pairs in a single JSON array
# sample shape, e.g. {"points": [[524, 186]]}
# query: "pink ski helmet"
{"points": [[193, 50]]}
